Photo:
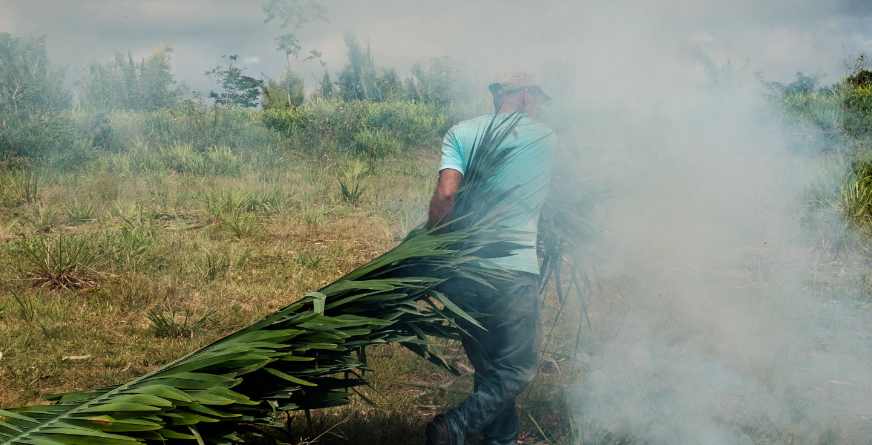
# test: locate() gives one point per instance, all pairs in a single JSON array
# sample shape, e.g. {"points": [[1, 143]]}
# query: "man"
{"points": [[506, 354]]}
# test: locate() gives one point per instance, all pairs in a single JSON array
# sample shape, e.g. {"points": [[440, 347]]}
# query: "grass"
{"points": [[80, 212], [144, 255], [168, 324], [239, 223], [131, 236]]}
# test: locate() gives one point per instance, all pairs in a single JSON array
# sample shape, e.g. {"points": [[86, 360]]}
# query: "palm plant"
{"points": [[308, 355]]}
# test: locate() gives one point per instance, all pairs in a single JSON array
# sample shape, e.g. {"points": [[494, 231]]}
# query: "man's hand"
{"points": [[443, 197]]}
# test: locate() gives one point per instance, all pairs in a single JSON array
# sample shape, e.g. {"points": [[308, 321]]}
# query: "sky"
{"points": [[777, 38]]}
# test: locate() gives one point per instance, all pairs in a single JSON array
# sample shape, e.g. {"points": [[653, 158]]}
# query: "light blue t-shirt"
{"points": [[529, 169]]}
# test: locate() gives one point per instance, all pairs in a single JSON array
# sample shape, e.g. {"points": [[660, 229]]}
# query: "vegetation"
{"points": [[27, 81], [143, 224], [234, 87], [127, 85], [838, 119]]}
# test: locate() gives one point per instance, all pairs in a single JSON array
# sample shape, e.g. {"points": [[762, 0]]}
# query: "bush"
{"points": [[182, 158], [816, 109], [367, 128], [235, 128], [221, 161], [415, 124], [39, 136], [857, 105], [374, 143], [185, 159]]}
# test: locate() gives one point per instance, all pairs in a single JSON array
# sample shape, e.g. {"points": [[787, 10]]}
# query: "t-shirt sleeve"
{"points": [[452, 153]]}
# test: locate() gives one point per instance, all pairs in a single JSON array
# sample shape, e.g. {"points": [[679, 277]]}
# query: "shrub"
{"points": [[140, 159], [221, 161], [191, 124], [80, 212], [39, 137], [185, 159], [239, 223], [182, 158], [815, 109], [357, 127], [374, 143], [415, 124], [134, 239], [857, 105], [213, 265], [44, 215]]}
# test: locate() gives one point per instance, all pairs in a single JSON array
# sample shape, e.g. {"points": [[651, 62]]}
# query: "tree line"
{"points": [[30, 84]]}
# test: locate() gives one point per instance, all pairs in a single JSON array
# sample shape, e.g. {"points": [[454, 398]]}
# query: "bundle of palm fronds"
{"points": [[565, 243], [308, 355]]}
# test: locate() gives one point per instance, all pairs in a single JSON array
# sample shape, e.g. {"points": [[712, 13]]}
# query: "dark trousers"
{"points": [[505, 356]]}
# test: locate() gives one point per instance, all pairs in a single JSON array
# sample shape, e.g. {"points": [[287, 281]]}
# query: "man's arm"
{"points": [[443, 197]]}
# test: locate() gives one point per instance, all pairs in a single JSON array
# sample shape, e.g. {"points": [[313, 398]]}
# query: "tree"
{"points": [[357, 79], [361, 79], [27, 81], [125, 84], [156, 78], [294, 14], [325, 89], [803, 84], [388, 84], [440, 82], [235, 88], [287, 92]]}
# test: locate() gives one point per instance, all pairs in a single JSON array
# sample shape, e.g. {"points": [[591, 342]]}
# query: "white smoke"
{"points": [[729, 327]]}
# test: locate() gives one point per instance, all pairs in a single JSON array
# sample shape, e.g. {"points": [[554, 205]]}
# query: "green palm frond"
{"points": [[293, 358]]}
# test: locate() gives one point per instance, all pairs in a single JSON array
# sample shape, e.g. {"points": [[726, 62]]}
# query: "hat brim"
{"points": [[497, 88], [545, 93]]}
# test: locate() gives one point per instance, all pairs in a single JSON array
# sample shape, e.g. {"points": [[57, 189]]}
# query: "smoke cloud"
{"points": [[723, 322]]}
